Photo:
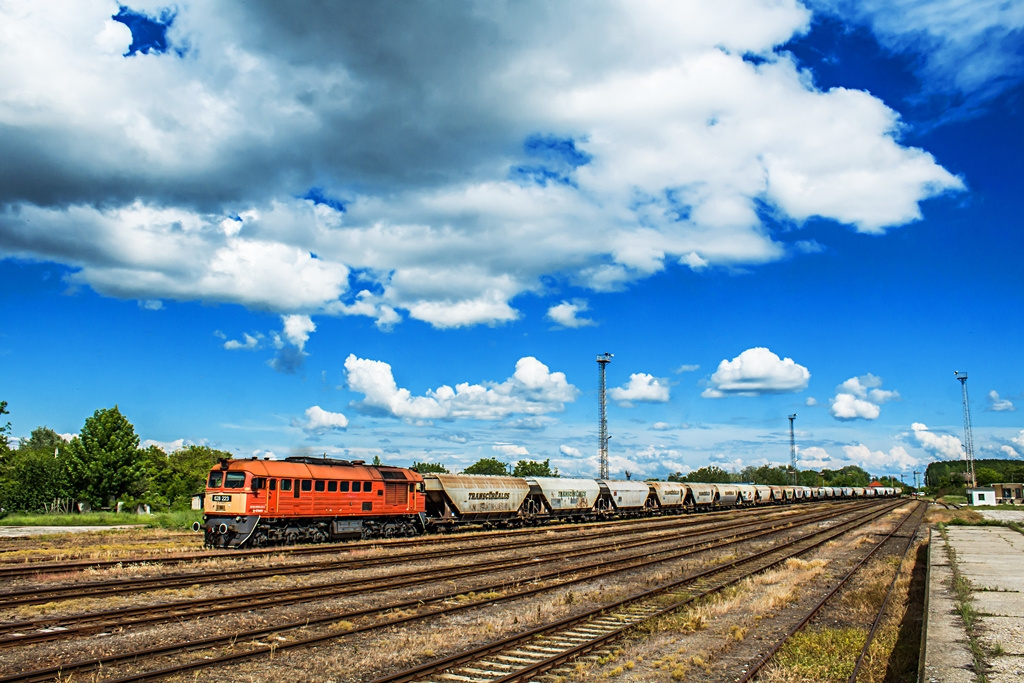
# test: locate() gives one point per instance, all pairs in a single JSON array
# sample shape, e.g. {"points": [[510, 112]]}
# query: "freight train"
{"points": [[256, 503]]}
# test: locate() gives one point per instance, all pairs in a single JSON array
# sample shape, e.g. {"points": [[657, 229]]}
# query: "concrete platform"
{"points": [[992, 559]]}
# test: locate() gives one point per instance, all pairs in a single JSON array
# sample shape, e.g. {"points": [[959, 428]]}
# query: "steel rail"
{"points": [[35, 596], [534, 669], [88, 665], [58, 628], [885, 602], [286, 596], [753, 671], [28, 568]]}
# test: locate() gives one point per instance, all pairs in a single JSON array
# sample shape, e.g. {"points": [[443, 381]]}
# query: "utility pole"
{"points": [[792, 448], [968, 439], [602, 430]]}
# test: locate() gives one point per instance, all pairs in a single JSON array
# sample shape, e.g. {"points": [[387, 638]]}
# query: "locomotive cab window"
{"points": [[215, 480], [286, 484], [272, 485], [343, 486], [307, 484], [367, 486], [318, 485], [332, 486], [234, 480]]}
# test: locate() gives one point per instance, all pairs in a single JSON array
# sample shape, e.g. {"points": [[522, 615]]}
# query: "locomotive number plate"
{"points": [[221, 499]]}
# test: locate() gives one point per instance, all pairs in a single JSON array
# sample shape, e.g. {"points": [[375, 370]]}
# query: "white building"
{"points": [[981, 496]]}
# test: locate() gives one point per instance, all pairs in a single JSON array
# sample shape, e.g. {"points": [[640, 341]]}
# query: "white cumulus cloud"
{"points": [[320, 420], [945, 446], [532, 390], [757, 371], [261, 166], [567, 313], [297, 329], [885, 461], [998, 404], [641, 388], [860, 398]]}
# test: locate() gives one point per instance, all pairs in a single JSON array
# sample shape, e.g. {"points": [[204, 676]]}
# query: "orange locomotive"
{"points": [[253, 503]]}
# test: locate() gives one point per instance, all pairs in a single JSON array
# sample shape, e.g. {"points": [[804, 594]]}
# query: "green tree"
{"points": [[5, 429], [104, 460], [766, 474], [533, 468], [487, 466], [31, 480], [43, 439], [987, 476], [424, 467], [711, 474], [376, 461]]}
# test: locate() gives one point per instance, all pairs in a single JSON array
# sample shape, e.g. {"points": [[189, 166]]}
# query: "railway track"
{"points": [[14, 569], [913, 521], [545, 649], [508, 589], [38, 595], [58, 628]]}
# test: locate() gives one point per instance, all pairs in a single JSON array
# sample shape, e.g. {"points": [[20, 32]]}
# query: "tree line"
{"points": [[779, 475], [950, 477], [100, 467]]}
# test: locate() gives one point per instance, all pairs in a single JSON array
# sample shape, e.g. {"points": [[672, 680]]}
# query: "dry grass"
{"points": [[940, 515]]}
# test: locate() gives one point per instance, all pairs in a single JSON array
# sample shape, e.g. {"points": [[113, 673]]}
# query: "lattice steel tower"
{"points": [[602, 415], [792, 448], [968, 438]]}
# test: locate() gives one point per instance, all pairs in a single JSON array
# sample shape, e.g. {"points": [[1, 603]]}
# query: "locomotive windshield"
{"points": [[215, 479], [234, 480]]}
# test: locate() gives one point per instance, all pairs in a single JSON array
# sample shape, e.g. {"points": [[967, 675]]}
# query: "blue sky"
{"points": [[408, 231]]}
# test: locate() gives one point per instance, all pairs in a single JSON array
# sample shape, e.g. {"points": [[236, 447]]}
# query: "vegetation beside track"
{"points": [[159, 520]]}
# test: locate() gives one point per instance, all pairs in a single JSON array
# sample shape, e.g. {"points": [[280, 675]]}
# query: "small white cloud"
{"points": [[570, 451], [945, 446], [757, 371], [642, 388], [811, 401], [151, 304], [297, 329], [999, 405], [511, 450], [686, 368], [661, 426], [860, 398], [567, 313], [1009, 451], [165, 446], [250, 342], [319, 420]]}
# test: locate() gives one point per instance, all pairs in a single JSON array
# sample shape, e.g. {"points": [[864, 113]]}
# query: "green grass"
{"points": [[161, 520], [822, 655]]}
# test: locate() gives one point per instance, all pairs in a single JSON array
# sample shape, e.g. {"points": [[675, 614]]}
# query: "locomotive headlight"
{"points": [[238, 519]]}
